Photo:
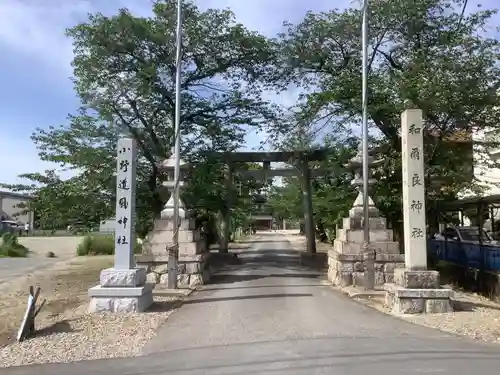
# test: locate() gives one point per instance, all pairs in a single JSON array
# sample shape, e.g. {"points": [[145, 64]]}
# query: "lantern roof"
{"points": [[169, 163]]}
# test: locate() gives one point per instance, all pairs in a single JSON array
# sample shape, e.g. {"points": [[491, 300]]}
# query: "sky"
{"points": [[35, 56]]}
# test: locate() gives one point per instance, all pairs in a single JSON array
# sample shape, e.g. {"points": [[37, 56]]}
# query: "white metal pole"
{"points": [[369, 278], [173, 257]]}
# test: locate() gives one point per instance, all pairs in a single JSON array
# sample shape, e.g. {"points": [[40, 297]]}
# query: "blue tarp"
{"points": [[485, 257]]}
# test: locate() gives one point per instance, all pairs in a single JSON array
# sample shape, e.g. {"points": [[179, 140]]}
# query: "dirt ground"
{"points": [[64, 286], [64, 249]]}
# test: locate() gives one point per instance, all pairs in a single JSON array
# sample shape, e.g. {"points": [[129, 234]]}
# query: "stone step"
{"points": [[167, 236], [357, 223], [188, 248], [168, 224], [357, 235], [382, 247]]}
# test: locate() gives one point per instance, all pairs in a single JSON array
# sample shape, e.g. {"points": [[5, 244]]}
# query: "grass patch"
{"points": [[11, 247], [101, 245]]}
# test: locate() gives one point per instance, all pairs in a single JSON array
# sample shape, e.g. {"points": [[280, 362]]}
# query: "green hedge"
{"points": [[100, 245], [10, 247]]}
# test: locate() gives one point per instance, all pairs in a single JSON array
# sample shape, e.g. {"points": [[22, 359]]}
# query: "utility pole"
{"points": [[173, 254]]}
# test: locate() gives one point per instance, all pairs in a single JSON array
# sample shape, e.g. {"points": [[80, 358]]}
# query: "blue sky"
{"points": [[35, 90]]}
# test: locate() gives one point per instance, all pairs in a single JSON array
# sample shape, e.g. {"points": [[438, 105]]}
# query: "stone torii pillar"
{"points": [[416, 289], [226, 217], [308, 208]]}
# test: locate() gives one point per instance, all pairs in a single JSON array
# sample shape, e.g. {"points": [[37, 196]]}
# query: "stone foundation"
{"points": [[121, 291], [193, 262], [348, 269], [193, 270], [346, 265], [416, 292]]}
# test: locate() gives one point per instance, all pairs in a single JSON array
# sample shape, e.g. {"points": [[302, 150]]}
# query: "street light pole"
{"points": [[173, 258], [367, 253]]}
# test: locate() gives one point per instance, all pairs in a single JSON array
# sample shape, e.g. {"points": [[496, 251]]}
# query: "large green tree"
{"points": [[430, 54], [124, 74]]}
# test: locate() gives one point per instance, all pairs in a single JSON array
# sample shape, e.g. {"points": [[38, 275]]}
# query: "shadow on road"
{"points": [[262, 287], [230, 278], [239, 298], [273, 240], [265, 263], [273, 252]]}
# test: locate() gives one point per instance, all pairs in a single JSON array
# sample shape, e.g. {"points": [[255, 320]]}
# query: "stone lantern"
{"points": [[356, 165], [168, 166], [192, 266], [352, 262]]}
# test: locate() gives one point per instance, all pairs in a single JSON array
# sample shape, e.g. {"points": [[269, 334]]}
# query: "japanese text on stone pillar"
{"points": [[125, 203], [414, 189]]}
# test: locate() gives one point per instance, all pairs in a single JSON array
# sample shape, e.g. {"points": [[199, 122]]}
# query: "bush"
{"points": [[100, 245], [11, 247]]}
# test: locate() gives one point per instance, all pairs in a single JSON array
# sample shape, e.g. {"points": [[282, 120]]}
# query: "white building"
{"points": [[10, 210], [485, 169]]}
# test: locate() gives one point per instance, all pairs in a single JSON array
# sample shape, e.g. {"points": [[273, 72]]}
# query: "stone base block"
{"points": [[187, 280], [193, 270], [120, 299], [348, 269], [160, 248], [417, 301], [168, 224], [382, 247], [132, 278], [356, 222], [357, 235], [416, 279]]}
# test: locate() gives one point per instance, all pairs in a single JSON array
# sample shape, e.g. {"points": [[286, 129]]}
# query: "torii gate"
{"points": [[300, 158]]}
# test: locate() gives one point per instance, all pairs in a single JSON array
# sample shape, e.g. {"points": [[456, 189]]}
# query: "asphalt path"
{"points": [[270, 315]]}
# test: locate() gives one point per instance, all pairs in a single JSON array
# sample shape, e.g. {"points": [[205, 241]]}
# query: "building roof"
{"points": [[468, 202], [10, 194]]}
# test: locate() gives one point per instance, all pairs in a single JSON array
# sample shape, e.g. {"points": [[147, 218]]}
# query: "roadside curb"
{"points": [[354, 292], [165, 292]]}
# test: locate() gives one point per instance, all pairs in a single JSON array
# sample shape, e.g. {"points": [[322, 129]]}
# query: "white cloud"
{"points": [[36, 30]]}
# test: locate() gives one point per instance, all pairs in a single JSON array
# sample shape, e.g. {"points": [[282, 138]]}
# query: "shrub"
{"points": [[100, 245], [11, 247]]}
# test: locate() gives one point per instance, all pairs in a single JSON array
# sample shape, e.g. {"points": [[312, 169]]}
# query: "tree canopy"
{"points": [[124, 74], [431, 54]]}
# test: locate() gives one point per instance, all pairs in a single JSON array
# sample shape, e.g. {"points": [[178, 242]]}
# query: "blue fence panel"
{"points": [[466, 255]]}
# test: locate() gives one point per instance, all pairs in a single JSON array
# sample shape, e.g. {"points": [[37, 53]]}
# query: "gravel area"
{"points": [[65, 331], [75, 336], [475, 317]]}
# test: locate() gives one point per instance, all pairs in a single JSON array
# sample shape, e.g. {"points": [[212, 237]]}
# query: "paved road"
{"points": [[270, 316], [63, 247]]}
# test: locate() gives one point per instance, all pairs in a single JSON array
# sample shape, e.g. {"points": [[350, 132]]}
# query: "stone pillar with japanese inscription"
{"points": [[415, 289], [123, 288], [415, 240]]}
